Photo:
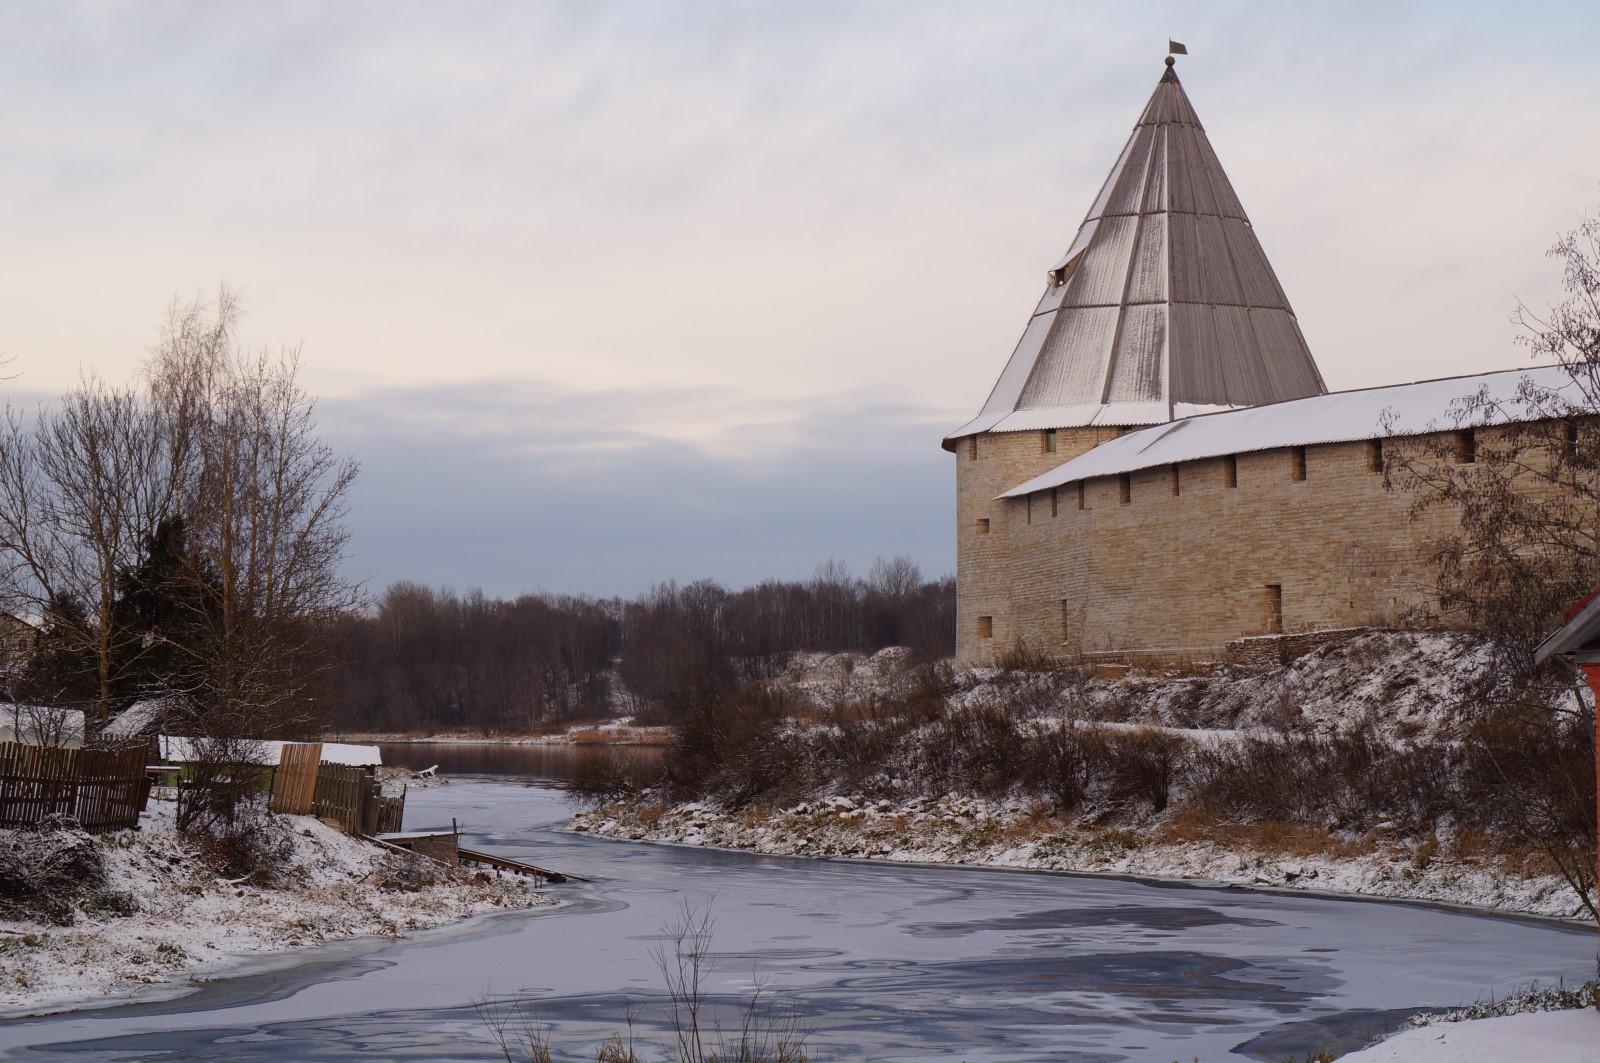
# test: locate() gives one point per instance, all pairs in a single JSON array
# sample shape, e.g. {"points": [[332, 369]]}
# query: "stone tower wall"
{"points": [[1172, 563], [987, 465]]}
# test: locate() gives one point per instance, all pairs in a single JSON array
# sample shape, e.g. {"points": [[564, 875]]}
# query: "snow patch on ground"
{"points": [[964, 830], [1544, 1037], [187, 922]]}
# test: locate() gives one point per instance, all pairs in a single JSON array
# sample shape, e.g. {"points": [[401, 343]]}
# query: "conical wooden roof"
{"points": [[1164, 305]]}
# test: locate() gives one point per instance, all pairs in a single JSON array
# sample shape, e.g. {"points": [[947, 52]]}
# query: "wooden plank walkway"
{"points": [[520, 867]]}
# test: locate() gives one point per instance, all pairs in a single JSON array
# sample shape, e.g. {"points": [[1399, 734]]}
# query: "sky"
{"points": [[603, 294]]}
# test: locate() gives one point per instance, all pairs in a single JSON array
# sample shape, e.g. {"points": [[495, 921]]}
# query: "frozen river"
{"points": [[886, 962]]}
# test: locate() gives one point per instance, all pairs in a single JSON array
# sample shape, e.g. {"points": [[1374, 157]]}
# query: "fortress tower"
{"points": [[1163, 306]]}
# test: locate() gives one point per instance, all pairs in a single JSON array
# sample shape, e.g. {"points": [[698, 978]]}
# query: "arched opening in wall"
{"points": [[1275, 608], [1125, 487], [1230, 470], [1374, 455], [1466, 447], [986, 627], [1049, 440], [1297, 463]]}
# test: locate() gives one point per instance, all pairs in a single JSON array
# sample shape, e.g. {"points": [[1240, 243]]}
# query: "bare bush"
{"points": [[603, 774], [48, 870], [1144, 765], [405, 872], [702, 1028]]}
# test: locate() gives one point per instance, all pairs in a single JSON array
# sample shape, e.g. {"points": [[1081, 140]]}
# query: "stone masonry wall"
{"points": [[1173, 563], [986, 466]]}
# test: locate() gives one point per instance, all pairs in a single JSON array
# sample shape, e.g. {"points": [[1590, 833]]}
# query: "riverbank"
{"points": [[1016, 834], [163, 919], [620, 732]]}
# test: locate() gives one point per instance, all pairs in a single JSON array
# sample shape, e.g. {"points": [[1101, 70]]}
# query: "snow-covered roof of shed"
{"points": [[1340, 417], [1164, 304], [270, 751], [136, 718]]}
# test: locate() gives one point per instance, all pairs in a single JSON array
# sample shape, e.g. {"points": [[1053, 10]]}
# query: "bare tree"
{"points": [[1520, 479], [212, 462], [1522, 474], [263, 500], [81, 489]]}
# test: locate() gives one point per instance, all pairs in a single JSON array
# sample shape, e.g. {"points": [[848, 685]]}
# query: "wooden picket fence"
{"points": [[348, 796], [103, 789]]}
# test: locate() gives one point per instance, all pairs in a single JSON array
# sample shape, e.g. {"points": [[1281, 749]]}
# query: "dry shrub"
{"points": [[251, 843], [604, 774], [1063, 767], [402, 872], [47, 870], [1144, 764]]}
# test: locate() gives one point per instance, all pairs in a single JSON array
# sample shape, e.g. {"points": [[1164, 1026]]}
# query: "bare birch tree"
{"points": [[263, 500]]}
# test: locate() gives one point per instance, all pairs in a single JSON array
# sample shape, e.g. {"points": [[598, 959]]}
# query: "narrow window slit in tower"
{"points": [[972, 448], [1050, 441], [1177, 482], [1374, 455], [1275, 608], [1297, 463], [1466, 447], [1055, 501], [1083, 492], [1230, 470], [1125, 487], [1066, 620], [1570, 433], [986, 627]]}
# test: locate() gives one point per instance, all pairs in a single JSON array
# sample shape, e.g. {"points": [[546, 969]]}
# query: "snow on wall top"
{"points": [[1164, 299], [1396, 410]]}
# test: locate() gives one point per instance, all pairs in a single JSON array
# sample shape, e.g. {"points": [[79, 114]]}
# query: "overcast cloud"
{"points": [[604, 292]]}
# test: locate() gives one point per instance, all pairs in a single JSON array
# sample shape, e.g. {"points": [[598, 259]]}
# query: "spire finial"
{"points": [[1173, 48]]}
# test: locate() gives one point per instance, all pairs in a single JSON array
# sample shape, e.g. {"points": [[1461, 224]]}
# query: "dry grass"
{"points": [[1268, 838]]}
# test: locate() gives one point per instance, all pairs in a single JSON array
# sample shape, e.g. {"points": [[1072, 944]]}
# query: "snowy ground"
{"points": [[1546, 1037], [959, 830], [185, 923]]}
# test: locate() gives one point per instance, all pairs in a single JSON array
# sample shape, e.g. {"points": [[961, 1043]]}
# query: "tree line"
{"points": [[431, 660]]}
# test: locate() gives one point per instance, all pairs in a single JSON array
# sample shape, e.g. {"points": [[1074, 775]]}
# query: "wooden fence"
{"points": [[294, 785], [348, 796], [104, 790]]}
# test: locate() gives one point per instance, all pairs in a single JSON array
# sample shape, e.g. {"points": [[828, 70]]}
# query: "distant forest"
{"points": [[426, 660]]}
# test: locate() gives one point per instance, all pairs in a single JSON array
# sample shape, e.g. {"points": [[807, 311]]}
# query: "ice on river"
{"points": [[885, 962]]}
